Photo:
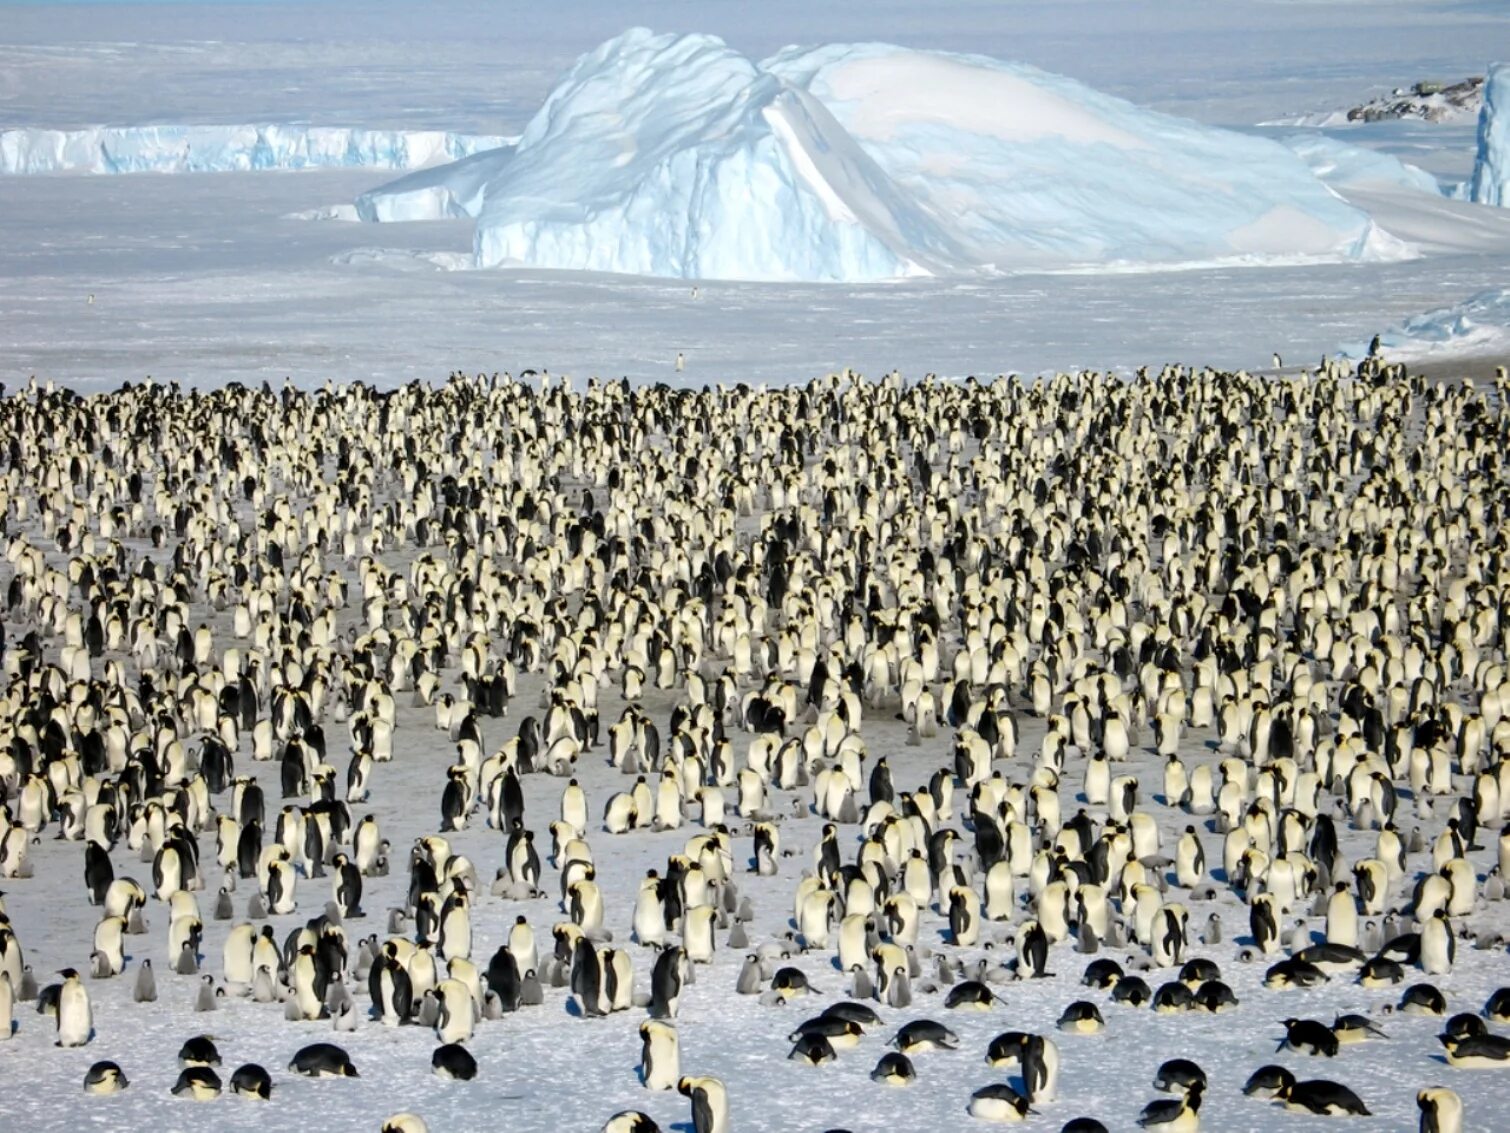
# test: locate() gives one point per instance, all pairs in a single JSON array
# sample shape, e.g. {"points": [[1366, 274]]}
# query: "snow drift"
{"points": [[677, 156], [1479, 325], [1491, 170], [225, 149], [1342, 165]]}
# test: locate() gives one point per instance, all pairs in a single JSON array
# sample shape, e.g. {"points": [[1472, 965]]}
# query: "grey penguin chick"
{"points": [[204, 998], [145, 990]]}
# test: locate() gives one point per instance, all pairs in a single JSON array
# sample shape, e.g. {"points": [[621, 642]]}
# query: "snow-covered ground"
{"points": [[1479, 325]]}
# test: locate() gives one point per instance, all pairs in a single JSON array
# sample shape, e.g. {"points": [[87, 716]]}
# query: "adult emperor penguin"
{"points": [[458, 1012], [660, 1058], [75, 1016], [252, 1081], [631, 1121], [1174, 1115], [322, 1060], [454, 1061], [405, 1123], [1438, 947], [894, 1069], [1441, 1110], [197, 1083], [1040, 1069], [1326, 1098], [710, 1104], [1000, 1103], [105, 1077]]}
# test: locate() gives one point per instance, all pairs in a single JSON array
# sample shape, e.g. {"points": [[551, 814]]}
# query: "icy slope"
{"points": [[1491, 172], [676, 156], [1038, 169], [1339, 164], [222, 149], [659, 155]]}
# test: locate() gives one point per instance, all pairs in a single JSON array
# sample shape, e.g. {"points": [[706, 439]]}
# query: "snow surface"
{"points": [[1491, 171], [221, 149], [677, 156], [1477, 325]]}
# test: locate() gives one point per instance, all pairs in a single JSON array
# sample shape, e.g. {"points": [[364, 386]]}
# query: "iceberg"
{"points": [[1490, 184], [677, 156], [226, 149]]}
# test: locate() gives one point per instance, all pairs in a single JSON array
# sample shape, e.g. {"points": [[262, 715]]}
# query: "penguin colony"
{"points": [[864, 719]]}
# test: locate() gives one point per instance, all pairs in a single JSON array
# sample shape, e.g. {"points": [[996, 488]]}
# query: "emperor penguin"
{"points": [[964, 916], [405, 1123], [1190, 860], [1438, 946], [145, 988], [697, 934], [1263, 921], [105, 1078], [1000, 1103], [710, 1104], [1441, 1110], [453, 1061], [1040, 1069], [667, 976], [627, 1121], [7, 1007], [660, 1057], [197, 1083], [649, 914], [1032, 952], [75, 1016], [1342, 917], [304, 976], [458, 1012], [522, 944], [109, 946], [252, 1081]]}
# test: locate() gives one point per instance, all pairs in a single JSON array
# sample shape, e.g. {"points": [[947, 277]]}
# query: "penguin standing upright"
{"points": [[710, 1104], [1438, 948], [1040, 1069], [1441, 1110], [75, 1017], [660, 1057]]}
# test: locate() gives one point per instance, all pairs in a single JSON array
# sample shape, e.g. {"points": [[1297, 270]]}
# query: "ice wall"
{"points": [[1491, 170], [222, 149]]}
